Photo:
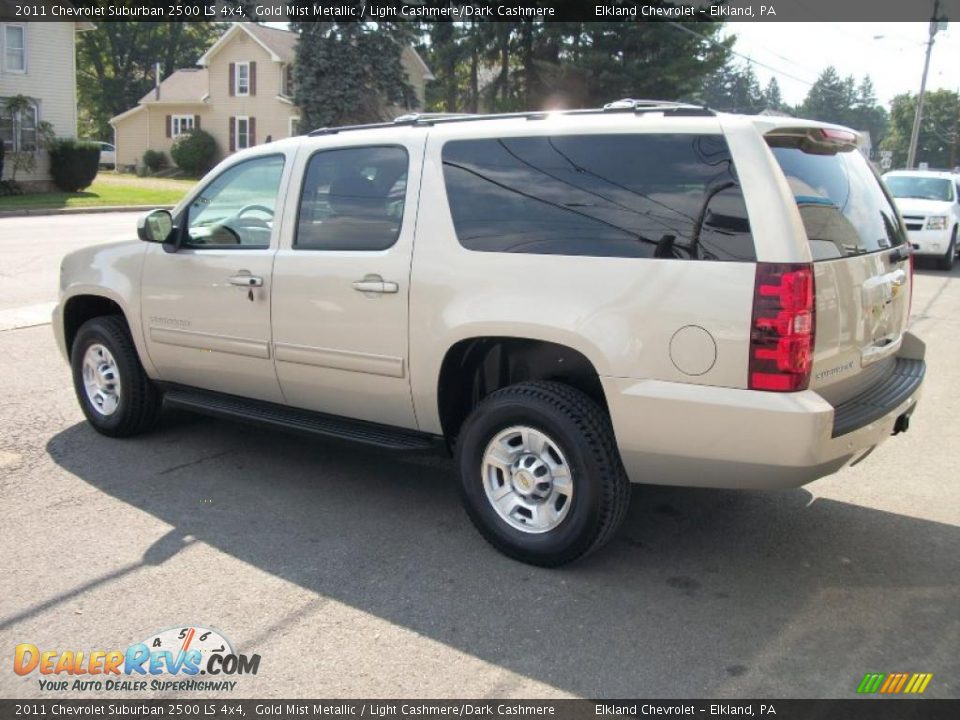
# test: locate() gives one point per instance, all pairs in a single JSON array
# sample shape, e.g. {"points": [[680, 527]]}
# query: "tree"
{"points": [[830, 98], [938, 144], [116, 61], [772, 98], [734, 88], [533, 65], [350, 72], [866, 113]]}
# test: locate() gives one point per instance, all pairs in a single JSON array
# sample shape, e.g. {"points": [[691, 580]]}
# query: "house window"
{"points": [[181, 125], [18, 130], [242, 79], [294, 126], [242, 131], [15, 48], [287, 89]]}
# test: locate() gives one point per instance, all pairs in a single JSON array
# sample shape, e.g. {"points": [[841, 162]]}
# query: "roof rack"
{"points": [[667, 107]]}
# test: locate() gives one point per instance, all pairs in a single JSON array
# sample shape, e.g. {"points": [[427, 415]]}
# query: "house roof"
{"points": [[278, 43], [185, 86]]}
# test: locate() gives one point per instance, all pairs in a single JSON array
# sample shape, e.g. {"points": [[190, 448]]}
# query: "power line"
{"points": [[749, 59]]}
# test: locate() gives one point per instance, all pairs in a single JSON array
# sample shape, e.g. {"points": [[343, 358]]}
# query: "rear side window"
{"points": [[352, 199], [636, 196], [844, 208]]}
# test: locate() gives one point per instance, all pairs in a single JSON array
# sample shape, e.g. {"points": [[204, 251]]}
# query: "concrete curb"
{"points": [[27, 212]]}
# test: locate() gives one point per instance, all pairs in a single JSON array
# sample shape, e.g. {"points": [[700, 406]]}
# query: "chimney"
{"points": [[157, 85]]}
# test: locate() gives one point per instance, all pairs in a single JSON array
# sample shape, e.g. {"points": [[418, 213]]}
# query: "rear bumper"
{"points": [[679, 434], [929, 242]]}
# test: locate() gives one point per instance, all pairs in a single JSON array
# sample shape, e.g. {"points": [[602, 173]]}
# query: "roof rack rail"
{"points": [[667, 107], [671, 107]]}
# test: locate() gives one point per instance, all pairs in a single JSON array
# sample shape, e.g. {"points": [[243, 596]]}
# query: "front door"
{"points": [[341, 284], [206, 308]]}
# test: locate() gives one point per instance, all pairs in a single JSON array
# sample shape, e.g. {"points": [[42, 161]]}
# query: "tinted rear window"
{"points": [[844, 208], [637, 196]]}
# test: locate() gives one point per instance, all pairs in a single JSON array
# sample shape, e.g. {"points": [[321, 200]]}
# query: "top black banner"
{"points": [[100, 11]]}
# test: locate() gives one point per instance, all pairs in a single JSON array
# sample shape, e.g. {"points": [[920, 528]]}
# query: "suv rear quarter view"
{"points": [[570, 302]]}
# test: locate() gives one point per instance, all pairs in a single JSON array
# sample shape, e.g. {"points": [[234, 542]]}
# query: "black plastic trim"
{"points": [[899, 385], [306, 421]]}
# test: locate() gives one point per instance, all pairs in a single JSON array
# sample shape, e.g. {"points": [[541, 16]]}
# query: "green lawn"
{"points": [[107, 189]]}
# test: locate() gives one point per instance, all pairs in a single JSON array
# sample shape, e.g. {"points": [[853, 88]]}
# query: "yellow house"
{"points": [[38, 60], [240, 92]]}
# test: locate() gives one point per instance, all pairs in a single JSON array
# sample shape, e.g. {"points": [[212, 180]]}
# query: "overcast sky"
{"points": [[891, 53]]}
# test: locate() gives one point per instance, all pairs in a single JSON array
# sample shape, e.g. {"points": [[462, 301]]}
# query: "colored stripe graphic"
{"points": [[894, 683], [870, 683]]}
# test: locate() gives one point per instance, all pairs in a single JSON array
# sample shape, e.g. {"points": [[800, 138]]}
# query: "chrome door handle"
{"points": [[246, 281], [375, 284]]}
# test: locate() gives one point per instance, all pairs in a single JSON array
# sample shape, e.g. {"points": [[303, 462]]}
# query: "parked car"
{"points": [[569, 302], [930, 204], [108, 154]]}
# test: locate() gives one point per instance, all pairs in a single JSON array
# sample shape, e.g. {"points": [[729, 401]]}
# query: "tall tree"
{"points": [[938, 144], [733, 88], [350, 72], [830, 98], [115, 64], [772, 97]]}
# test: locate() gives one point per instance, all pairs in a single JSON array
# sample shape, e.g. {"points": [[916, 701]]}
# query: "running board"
{"points": [[259, 412]]}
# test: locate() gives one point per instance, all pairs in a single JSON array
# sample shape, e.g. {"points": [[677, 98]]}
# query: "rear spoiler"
{"points": [[814, 140]]}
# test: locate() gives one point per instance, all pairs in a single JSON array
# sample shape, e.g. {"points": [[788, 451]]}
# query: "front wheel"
{"points": [[946, 262], [114, 392], [541, 477]]}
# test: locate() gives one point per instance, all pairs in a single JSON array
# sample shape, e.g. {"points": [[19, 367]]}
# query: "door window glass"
{"points": [[353, 199], [236, 210]]}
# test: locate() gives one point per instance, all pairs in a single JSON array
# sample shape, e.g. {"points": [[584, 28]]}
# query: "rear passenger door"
{"points": [[341, 280]]}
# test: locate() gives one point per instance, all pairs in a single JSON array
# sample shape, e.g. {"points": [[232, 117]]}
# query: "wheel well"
{"points": [[81, 308], [474, 368]]}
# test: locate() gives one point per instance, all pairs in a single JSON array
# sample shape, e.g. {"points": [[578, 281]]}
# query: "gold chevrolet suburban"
{"points": [[570, 302]]}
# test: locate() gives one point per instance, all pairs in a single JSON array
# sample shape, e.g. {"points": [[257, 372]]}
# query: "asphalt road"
{"points": [[354, 573]]}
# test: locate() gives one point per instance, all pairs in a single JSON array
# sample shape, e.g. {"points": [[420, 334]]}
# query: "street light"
{"points": [[936, 24]]}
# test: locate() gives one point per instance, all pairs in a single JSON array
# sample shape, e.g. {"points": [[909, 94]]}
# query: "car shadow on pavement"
{"points": [[703, 593]]}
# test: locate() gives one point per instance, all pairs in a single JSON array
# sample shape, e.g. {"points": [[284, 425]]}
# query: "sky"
{"points": [[891, 53]]}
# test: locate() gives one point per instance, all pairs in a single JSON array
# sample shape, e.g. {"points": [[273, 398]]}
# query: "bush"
{"points": [[10, 187], [154, 160], [195, 153], [73, 163]]}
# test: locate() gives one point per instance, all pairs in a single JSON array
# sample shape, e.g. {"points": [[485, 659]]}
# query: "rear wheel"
{"points": [[541, 477], [946, 262], [114, 392]]}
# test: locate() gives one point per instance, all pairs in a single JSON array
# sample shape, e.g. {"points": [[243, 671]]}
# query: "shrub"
{"points": [[73, 163], [195, 152], [154, 160], [10, 187]]}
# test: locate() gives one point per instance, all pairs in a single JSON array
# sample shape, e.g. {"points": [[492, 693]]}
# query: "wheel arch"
{"points": [[474, 367]]}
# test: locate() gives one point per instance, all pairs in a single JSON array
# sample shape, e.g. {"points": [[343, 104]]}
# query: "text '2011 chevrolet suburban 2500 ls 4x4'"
{"points": [[570, 301]]}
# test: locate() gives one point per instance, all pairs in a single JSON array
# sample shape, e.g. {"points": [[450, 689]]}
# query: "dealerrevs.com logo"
{"points": [[170, 660]]}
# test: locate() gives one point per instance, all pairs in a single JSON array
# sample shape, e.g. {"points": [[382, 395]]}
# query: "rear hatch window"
{"points": [[843, 205]]}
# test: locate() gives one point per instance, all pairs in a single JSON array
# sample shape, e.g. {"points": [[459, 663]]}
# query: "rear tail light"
{"points": [[782, 333]]}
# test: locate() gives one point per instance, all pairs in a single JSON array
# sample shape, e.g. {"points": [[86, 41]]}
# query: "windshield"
{"points": [[921, 188], [841, 201]]}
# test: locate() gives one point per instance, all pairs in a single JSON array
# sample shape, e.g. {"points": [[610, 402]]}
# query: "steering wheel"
{"points": [[251, 208]]}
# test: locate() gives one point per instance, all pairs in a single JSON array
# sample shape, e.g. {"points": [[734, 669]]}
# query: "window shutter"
{"points": [[196, 122], [233, 134], [253, 78], [233, 79], [253, 131], [169, 125]]}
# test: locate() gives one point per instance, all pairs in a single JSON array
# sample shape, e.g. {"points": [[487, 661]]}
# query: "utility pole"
{"points": [[935, 22]]}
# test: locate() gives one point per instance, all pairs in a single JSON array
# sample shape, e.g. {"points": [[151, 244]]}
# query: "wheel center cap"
{"points": [[524, 481], [531, 478]]}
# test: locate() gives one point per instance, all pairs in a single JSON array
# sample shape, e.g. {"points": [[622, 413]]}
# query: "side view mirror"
{"points": [[156, 226]]}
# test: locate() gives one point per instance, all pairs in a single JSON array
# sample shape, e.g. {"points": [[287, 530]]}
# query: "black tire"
{"points": [[583, 433], [140, 401], [946, 262]]}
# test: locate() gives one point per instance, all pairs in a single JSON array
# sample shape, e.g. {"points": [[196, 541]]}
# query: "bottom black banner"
{"points": [[861, 709]]}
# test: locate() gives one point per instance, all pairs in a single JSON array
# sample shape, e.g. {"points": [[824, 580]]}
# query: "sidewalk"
{"points": [[24, 212]]}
